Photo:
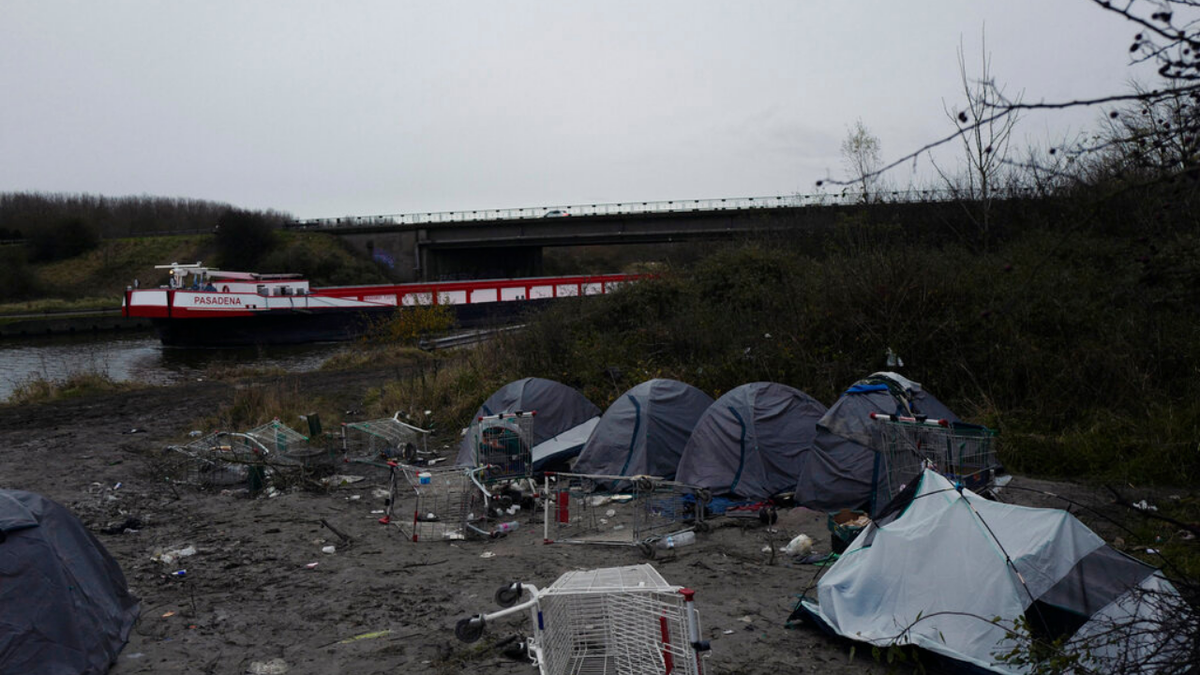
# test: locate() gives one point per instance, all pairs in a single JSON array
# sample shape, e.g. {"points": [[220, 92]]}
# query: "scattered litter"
{"points": [[599, 500], [179, 573], [130, 526], [1152, 551], [135, 655], [610, 513], [621, 499], [134, 430], [117, 486], [377, 512], [381, 493], [1144, 506], [328, 549], [169, 556], [726, 632], [746, 619], [273, 667], [801, 545], [341, 479], [354, 498], [366, 636], [487, 554], [196, 433], [171, 613], [312, 565], [436, 461], [819, 559]]}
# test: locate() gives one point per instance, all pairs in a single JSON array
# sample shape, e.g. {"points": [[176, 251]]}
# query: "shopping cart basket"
{"points": [[504, 444], [964, 453], [383, 440], [647, 512], [625, 620], [228, 458], [446, 503]]}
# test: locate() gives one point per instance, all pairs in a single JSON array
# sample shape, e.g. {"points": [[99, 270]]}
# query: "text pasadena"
{"points": [[216, 300]]}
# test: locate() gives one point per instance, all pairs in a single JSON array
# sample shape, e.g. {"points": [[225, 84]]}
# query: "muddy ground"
{"points": [[252, 601]]}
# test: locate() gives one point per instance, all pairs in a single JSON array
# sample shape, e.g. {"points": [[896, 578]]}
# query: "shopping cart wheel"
{"points": [[507, 596], [469, 630], [647, 550], [644, 484], [703, 495]]}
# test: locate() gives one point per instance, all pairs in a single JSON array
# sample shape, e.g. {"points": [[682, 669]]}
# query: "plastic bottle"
{"points": [[504, 528], [677, 540]]}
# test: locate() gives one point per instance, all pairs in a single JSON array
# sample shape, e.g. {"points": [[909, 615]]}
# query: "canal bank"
{"points": [[68, 322]]}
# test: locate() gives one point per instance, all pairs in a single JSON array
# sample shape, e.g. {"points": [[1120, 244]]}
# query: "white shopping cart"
{"points": [[616, 620]]}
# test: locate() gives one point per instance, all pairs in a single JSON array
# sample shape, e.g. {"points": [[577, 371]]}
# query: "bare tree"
{"points": [[862, 153], [1168, 36], [985, 144]]}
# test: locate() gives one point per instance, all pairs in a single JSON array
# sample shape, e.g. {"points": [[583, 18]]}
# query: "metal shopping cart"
{"points": [[446, 503], [964, 453], [504, 444], [229, 458], [617, 620], [383, 440], [643, 511]]}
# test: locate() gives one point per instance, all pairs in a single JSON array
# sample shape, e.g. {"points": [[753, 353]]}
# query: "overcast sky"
{"points": [[330, 108]]}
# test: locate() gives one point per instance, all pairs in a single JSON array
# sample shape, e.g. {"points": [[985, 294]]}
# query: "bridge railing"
{"points": [[844, 198]]}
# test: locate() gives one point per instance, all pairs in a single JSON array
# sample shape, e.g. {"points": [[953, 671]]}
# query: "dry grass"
{"points": [[39, 390]]}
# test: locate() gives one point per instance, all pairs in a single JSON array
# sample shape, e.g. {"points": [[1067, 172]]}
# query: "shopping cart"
{"points": [[447, 503], [964, 453], [625, 620], [228, 458], [504, 444], [380, 441], [649, 511]]}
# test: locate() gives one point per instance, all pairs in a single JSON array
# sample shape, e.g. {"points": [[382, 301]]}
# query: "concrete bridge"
{"points": [[509, 242]]}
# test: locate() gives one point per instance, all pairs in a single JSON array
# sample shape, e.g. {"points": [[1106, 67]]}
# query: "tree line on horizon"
{"points": [[56, 226]]}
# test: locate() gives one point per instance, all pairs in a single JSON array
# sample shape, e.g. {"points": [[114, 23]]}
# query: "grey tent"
{"points": [[559, 428], [837, 472], [972, 580], [750, 441], [644, 431], [64, 604]]}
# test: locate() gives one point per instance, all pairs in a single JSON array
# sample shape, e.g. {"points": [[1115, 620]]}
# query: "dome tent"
{"points": [[64, 603], [749, 442], [982, 578], [563, 422], [644, 431], [838, 471]]}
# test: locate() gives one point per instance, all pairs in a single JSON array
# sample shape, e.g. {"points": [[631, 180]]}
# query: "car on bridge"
{"points": [[555, 213]]}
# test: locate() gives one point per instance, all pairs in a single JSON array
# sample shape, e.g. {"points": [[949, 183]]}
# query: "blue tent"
{"points": [[644, 431]]}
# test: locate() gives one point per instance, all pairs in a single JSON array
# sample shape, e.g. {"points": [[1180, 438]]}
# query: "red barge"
{"points": [[219, 308]]}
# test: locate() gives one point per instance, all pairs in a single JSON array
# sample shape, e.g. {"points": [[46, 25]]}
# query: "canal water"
{"points": [[139, 357]]}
